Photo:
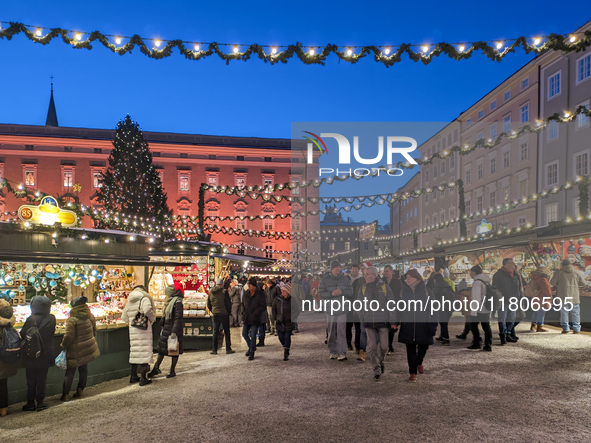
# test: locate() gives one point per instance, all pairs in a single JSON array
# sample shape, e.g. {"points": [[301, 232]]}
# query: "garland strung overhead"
{"points": [[309, 55]]}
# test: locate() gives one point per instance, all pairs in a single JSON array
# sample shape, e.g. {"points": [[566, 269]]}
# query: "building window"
{"points": [[479, 172], [161, 175], [434, 219], [468, 177], [426, 175], [554, 85], [440, 195], [68, 149], [268, 251], [427, 221], [184, 183], [212, 180], [442, 167], [268, 184], [506, 195], [492, 199], [240, 182], [366, 246], [582, 119], [434, 171], [576, 208], [98, 150], [521, 221], [507, 95], [456, 135], [212, 214], [241, 224], [479, 204], [296, 224], [507, 123], [268, 159], [552, 130], [584, 68], [552, 174], [155, 154], [480, 114], [68, 180], [506, 159], [480, 135], [582, 164], [523, 151], [331, 246], [468, 205], [268, 224], [434, 194], [29, 147], [449, 139], [525, 113], [523, 189], [493, 131], [524, 83], [97, 178], [415, 212], [347, 246], [442, 215], [468, 123], [493, 105], [493, 165], [551, 212], [30, 177], [240, 158], [452, 214], [452, 161]]}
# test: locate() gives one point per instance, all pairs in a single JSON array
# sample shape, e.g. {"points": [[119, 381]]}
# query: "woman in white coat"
{"points": [[141, 341]]}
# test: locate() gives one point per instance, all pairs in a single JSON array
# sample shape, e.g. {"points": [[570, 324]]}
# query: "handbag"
{"points": [[140, 320], [61, 361], [173, 346]]}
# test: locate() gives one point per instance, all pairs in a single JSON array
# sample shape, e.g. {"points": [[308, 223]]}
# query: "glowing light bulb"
{"points": [[38, 32], [274, 50], [157, 43], [235, 49], [499, 45], [349, 51], [537, 41], [566, 114], [573, 39], [78, 37], [107, 240], [387, 51], [118, 40], [462, 47], [425, 48], [311, 52]]}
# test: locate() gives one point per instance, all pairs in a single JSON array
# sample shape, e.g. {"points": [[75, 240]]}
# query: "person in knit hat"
{"points": [[285, 311], [7, 321], [417, 325], [253, 305], [335, 288]]}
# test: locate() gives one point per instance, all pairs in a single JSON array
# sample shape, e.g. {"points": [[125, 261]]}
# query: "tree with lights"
{"points": [[57, 293], [131, 184]]}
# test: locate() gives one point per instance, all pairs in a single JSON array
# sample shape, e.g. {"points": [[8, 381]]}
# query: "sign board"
{"points": [[47, 213], [368, 232], [483, 227]]}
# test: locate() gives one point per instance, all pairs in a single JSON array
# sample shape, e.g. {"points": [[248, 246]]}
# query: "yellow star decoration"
{"points": [[77, 187]]}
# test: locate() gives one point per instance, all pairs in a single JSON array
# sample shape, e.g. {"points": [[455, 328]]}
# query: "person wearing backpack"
{"points": [[8, 364], [141, 344], [38, 351], [80, 345], [482, 314]]}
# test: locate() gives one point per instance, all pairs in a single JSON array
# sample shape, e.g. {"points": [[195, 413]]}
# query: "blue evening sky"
{"points": [[97, 88]]}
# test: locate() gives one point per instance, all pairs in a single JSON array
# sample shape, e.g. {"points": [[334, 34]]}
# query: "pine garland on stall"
{"points": [[462, 207], [131, 184], [584, 198]]}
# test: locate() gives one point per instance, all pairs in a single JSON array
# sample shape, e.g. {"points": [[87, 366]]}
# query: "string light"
{"points": [[118, 40]]}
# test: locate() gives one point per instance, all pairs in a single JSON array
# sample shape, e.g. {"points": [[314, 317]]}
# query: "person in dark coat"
{"points": [[508, 281], [234, 293], [7, 321], [219, 304], [444, 293], [37, 367], [417, 326], [172, 326], [272, 291], [392, 279], [285, 311], [253, 305], [80, 345]]}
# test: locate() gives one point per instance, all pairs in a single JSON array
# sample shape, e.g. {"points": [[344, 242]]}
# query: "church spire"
{"points": [[51, 113]]}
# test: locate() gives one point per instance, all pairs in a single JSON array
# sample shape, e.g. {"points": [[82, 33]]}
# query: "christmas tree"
{"points": [[131, 185], [57, 293]]}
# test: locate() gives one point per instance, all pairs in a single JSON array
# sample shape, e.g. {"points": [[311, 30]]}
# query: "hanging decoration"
{"points": [[309, 55]]}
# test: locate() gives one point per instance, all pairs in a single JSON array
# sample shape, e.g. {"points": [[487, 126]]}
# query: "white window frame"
{"points": [[468, 122], [521, 143], [506, 190], [524, 79], [492, 163], [520, 189], [480, 135], [479, 203], [575, 155], [68, 170], [521, 221], [546, 166], [491, 203], [479, 171], [505, 97], [442, 168], [493, 126], [452, 161], [480, 114], [588, 55], [551, 125], [582, 119], [521, 110], [493, 105], [188, 177], [507, 119], [546, 207], [427, 221], [506, 153], [576, 212], [468, 175], [468, 206], [452, 214], [559, 75]]}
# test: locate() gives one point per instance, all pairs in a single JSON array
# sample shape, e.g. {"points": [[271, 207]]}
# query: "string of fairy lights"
{"points": [[160, 48]]}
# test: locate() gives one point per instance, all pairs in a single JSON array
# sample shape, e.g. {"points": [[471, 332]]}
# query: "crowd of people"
{"points": [[271, 306]]}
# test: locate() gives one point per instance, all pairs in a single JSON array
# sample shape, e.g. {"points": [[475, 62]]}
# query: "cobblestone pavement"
{"points": [[535, 390]]}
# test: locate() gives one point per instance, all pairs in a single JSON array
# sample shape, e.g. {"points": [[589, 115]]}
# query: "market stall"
{"points": [[101, 265]]}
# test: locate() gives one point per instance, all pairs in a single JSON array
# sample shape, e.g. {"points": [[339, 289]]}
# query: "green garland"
{"points": [[552, 42], [201, 207]]}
